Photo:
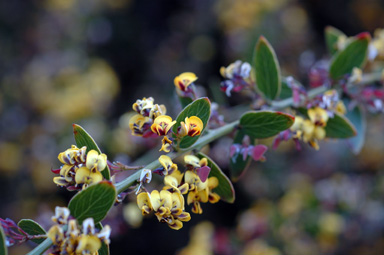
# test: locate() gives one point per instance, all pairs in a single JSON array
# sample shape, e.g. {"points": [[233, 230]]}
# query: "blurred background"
{"points": [[87, 61]]}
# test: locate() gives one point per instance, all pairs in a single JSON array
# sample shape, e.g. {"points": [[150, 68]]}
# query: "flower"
{"points": [[167, 164], [184, 80], [237, 69], [144, 203], [74, 241], [162, 125], [318, 116], [173, 183], [194, 162], [144, 106], [95, 161], [73, 155], [166, 144], [191, 127], [61, 215], [140, 125]]}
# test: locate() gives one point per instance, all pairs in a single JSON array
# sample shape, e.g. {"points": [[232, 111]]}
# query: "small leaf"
{"points": [[200, 108], [339, 127], [332, 35], [353, 55], [264, 124], [32, 228], [82, 138], [3, 246], [357, 117], [237, 164], [267, 69], [93, 202], [225, 189]]}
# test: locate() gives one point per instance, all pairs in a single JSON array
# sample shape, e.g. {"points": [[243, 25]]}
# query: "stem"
{"points": [[41, 247], [213, 135]]}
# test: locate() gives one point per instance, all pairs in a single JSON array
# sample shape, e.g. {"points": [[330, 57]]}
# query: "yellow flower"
{"points": [[173, 181], [166, 144], [167, 164], [194, 162], [86, 176], [61, 215], [318, 116], [162, 125], [95, 161], [144, 203], [156, 111], [73, 155], [143, 106], [139, 124], [356, 76], [184, 80], [56, 234], [88, 244], [169, 208], [191, 127], [213, 182], [340, 108]]}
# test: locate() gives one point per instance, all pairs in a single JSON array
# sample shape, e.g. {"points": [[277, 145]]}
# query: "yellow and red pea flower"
{"points": [[168, 166], [184, 80], [140, 125], [191, 127], [162, 125], [166, 144], [318, 116]]}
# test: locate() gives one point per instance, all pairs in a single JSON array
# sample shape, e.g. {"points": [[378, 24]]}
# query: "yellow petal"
{"points": [[101, 162], [155, 200], [56, 234], [166, 198], [95, 177], [176, 225], [92, 158], [192, 160], [88, 243], [82, 174]]}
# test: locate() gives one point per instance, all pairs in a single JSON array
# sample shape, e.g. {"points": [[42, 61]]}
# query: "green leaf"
{"points": [[200, 108], [32, 228], [237, 164], [267, 69], [82, 138], [331, 36], [225, 189], [93, 202], [286, 92], [339, 127], [357, 117], [3, 246], [185, 101], [264, 124], [353, 55]]}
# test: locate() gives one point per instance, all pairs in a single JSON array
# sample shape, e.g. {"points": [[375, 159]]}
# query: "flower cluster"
{"points": [[168, 204], [237, 77], [151, 120], [312, 129], [69, 238], [147, 112], [80, 168]]}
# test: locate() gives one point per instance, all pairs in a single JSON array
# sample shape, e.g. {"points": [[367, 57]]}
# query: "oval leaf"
{"points": [[357, 118], [32, 228], [267, 69], [339, 127], [237, 164], [225, 189], [264, 124], [95, 202], [353, 55], [331, 37], [3, 246], [82, 138], [200, 108], [185, 101]]}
